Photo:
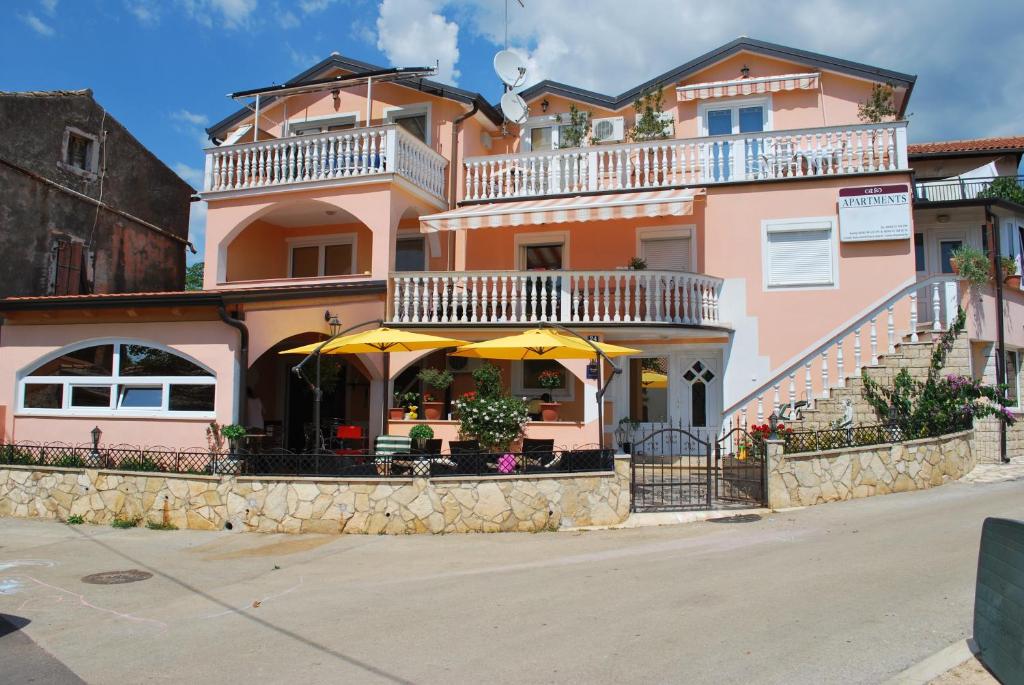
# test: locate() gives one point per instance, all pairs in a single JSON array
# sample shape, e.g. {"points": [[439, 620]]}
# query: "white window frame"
{"points": [[321, 121], [544, 121], [524, 240], [795, 225], [735, 105], [415, 109], [323, 242], [115, 382], [566, 395], [94, 153], [668, 232]]}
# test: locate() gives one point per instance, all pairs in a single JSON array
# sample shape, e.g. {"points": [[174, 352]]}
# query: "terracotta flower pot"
{"points": [[396, 413], [549, 411], [432, 410], [1013, 282]]}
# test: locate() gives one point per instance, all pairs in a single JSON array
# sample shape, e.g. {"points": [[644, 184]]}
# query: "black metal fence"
{"points": [[280, 462], [946, 190], [859, 436]]}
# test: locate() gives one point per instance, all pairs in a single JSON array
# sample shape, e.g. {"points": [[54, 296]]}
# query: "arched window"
{"points": [[119, 379]]}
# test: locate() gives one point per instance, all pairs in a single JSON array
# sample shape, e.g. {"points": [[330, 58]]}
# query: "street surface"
{"points": [[852, 592]]}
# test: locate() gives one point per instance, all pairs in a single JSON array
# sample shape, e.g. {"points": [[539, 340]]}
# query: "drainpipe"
{"points": [[453, 176], [243, 359], [993, 227]]}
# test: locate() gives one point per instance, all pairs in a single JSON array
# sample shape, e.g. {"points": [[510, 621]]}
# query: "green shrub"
{"points": [[421, 432], [11, 454], [143, 462], [69, 461], [126, 521], [972, 265], [488, 380], [75, 519], [1005, 188], [159, 525]]}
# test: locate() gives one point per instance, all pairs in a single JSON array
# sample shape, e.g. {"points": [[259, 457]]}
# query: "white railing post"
{"points": [[936, 308], [824, 373], [913, 316], [891, 330], [901, 146], [874, 341], [952, 301], [592, 175]]}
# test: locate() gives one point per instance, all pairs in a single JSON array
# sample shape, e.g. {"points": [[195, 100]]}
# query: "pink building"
{"points": [[758, 244]]}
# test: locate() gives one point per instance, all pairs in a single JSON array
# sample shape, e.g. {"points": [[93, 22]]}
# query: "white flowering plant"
{"points": [[493, 421]]}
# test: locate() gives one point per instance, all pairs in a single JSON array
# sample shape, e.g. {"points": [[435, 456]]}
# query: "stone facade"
{"points": [[298, 505], [817, 477]]}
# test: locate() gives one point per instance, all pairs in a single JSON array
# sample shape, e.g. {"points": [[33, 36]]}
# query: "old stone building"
{"points": [[84, 206]]}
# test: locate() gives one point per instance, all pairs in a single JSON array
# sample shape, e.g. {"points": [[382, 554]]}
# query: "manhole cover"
{"points": [[117, 577], [738, 518]]}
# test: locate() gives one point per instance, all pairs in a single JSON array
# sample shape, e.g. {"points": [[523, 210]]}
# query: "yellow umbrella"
{"points": [[382, 339], [539, 343], [653, 379]]}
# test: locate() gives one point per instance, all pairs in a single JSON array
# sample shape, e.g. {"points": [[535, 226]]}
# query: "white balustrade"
{"points": [[324, 157], [767, 155], [671, 297]]}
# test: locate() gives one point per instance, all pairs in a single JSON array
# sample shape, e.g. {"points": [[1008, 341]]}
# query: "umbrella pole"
{"points": [[604, 386]]}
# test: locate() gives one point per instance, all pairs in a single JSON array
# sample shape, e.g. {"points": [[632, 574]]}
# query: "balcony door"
{"points": [[410, 254], [541, 293], [733, 160]]}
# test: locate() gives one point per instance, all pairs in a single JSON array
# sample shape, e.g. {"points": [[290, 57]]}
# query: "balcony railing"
{"points": [[524, 297], [339, 155], [952, 189], [802, 153]]}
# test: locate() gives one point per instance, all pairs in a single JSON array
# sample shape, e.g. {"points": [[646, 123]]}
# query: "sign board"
{"points": [[874, 213], [593, 372]]}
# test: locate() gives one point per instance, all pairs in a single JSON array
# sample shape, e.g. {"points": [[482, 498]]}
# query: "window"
{"points": [[316, 125], [525, 384], [543, 257], [1012, 370], [748, 116], [119, 379], [547, 136], [68, 273], [799, 253], [410, 254], [670, 253], [414, 119], [327, 256], [946, 250], [81, 152], [919, 260], [698, 376]]}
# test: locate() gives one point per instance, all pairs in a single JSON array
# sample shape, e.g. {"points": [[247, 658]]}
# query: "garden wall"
{"points": [[526, 503], [810, 478]]}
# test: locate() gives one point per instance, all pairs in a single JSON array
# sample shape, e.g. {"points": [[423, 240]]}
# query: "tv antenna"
{"points": [[512, 71]]}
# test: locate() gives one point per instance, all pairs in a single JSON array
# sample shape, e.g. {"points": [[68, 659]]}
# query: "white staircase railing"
{"points": [[669, 297], [931, 303]]}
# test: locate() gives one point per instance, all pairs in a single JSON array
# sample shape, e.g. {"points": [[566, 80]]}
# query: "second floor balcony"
{"points": [[710, 160], [620, 297], [332, 158], [957, 189]]}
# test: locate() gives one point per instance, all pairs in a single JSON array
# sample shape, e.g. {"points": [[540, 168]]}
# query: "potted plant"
{"points": [[637, 264], [491, 417], [419, 434], [437, 379], [233, 433], [550, 380], [404, 407], [971, 264], [1008, 265]]}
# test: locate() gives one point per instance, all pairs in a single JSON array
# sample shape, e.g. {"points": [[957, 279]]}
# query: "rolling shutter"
{"points": [[800, 257], [666, 254]]}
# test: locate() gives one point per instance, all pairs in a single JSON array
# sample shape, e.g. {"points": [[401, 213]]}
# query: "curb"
{"points": [[937, 664], [670, 518]]}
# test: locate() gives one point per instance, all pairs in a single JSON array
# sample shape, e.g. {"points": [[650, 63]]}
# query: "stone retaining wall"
{"points": [[292, 505], [818, 477]]}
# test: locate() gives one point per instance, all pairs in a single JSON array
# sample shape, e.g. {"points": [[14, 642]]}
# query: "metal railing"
{"points": [[953, 189], [281, 462], [768, 155], [858, 436]]}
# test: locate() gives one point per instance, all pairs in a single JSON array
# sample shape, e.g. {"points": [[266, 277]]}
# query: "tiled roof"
{"points": [[974, 145], [103, 296], [46, 93]]}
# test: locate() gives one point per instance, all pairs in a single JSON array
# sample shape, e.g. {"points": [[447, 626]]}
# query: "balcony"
{"points": [[774, 155], [325, 159], [954, 189], [564, 297]]}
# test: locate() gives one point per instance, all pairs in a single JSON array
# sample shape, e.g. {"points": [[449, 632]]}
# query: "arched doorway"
{"points": [[286, 401]]}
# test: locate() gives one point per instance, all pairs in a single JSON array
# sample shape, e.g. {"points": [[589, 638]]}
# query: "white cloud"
{"points": [[313, 6], [190, 117], [49, 6], [287, 20], [302, 58], [192, 176], [415, 33], [37, 25], [233, 14], [146, 11]]}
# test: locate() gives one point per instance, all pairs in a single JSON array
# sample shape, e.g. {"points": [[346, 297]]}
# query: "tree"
{"points": [[576, 131], [650, 122], [194, 276], [1004, 188], [879, 106]]}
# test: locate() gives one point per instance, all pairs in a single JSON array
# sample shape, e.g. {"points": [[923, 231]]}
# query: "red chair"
{"points": [[346, 435]]}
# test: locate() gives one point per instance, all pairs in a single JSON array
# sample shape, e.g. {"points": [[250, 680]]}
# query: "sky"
{"points": [[163, 67]]}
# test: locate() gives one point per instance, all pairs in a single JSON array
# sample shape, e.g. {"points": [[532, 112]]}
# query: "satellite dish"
{"points": [[514, 107], [510, 68]]}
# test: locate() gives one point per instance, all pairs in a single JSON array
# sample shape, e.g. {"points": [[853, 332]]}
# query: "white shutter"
{"points": [[800, 257], [669, 254]]}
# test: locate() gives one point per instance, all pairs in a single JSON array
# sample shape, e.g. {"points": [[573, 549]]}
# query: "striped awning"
{"points": [[563, 210], [747, 86]]}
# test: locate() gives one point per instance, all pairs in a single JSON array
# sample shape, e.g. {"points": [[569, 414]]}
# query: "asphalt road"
{"points": [[842, 593]]}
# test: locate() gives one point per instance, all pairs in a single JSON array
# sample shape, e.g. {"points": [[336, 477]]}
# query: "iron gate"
{"points": [[675, 469]]}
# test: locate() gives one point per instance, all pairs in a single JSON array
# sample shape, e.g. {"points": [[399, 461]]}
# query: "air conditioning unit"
{"points": [[609, 129], [461, 364]]}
